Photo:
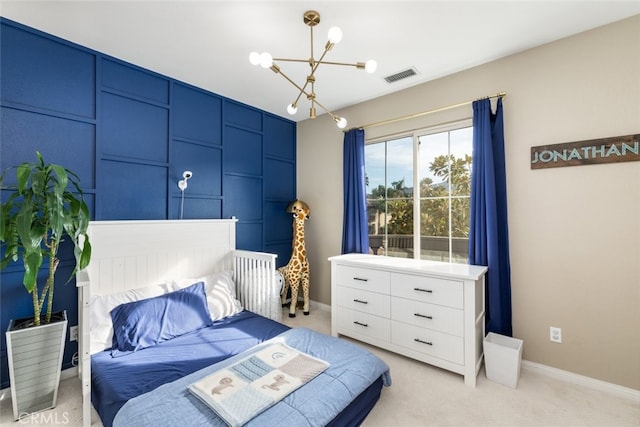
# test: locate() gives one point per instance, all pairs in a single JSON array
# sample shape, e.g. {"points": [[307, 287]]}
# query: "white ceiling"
{"points": [[207, 43]]}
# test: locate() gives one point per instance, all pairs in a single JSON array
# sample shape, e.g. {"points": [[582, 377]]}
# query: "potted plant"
{"points": [[38, 215]]}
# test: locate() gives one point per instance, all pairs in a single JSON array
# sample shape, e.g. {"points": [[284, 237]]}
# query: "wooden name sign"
{"points": [[595, 151]]}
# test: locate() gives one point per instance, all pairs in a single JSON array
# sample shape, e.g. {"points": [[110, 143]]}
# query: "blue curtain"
{"points": [[355, 237], [489, 234]]}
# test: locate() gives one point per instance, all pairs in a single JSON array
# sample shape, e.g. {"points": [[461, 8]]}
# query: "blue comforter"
{"points": [[352, 370], [118, 380]]}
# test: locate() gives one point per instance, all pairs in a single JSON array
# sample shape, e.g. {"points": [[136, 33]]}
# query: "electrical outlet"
{"points": [[73, 333], [555, 334]]}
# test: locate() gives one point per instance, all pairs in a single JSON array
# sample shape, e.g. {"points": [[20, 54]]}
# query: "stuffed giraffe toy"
{"points": [[297, 270]]}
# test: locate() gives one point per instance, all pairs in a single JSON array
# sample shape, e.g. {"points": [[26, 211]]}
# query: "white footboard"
{"points": [[258, 284]]}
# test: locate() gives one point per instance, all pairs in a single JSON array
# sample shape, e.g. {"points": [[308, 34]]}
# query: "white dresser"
{"points": [[427, 310]]}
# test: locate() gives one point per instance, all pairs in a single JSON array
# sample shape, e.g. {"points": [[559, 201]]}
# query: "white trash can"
{"points": [[502, 356]]}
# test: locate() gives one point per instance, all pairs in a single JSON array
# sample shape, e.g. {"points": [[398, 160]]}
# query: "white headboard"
{"points": [[136, 254]]}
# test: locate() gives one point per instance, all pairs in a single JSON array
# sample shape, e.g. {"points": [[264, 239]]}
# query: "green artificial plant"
{"points": [[38, 215]]}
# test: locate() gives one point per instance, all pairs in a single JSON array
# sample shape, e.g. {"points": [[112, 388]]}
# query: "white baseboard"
{"points": [[570, 377], [319, 305], [312, 304], [581, 380]]}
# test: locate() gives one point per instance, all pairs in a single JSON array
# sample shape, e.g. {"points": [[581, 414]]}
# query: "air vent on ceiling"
{"points": [[401, 75]]}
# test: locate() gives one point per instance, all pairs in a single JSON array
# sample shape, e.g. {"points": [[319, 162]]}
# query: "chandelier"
{"points": [[311, 18]]}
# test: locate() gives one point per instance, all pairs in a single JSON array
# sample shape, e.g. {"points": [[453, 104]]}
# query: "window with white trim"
{"points": [[418, 193]]}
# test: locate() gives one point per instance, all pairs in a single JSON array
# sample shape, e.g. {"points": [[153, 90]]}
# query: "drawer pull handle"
{"points": [[360, 279], [361, 324], [423, 342], [361, 302], [423, 290], [423, 315]]}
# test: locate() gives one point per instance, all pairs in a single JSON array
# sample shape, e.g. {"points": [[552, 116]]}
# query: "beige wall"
{"points": [[574, 231]]}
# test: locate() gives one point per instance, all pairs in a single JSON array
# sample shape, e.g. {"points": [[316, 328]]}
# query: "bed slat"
{"points": [[257, 284]]}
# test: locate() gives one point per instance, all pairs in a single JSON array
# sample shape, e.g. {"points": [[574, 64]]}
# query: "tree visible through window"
{"points": [[432, 223]]}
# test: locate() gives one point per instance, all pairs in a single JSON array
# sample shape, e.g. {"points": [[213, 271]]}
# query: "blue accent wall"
{"points": [[129, 133]]}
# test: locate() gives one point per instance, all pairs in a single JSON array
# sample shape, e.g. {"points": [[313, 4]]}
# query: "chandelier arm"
{"points": [[299, 95], [279, 71], [313, 70], [319, 61], [311, 30], [333, 116], [357, 64], [306, 61]]}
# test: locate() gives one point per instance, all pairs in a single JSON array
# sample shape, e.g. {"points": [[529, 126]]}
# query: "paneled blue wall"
{"points": [[129, 133]]}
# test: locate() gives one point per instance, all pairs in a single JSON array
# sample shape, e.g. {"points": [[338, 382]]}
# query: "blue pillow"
{"points": [[145, 323]]}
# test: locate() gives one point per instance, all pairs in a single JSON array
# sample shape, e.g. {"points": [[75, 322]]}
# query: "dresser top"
{"points": [[410, 265]]}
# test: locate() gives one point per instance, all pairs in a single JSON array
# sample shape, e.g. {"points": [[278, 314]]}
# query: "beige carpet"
{"points": [[422, 395]]}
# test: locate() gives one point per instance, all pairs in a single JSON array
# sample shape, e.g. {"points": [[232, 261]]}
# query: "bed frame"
{"points": [[135, 254]]}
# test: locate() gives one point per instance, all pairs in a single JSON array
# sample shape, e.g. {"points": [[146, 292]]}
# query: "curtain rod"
{"points": [[424, 113]]}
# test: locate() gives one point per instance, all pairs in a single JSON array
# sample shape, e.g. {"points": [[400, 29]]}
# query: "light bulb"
{"points": [[254, 58], [371, 66], [266, 60], [335, 35], [341, 122], [292, 109]]}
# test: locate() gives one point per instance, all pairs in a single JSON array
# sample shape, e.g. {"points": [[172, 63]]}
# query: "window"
{"points": [[432, 222]]}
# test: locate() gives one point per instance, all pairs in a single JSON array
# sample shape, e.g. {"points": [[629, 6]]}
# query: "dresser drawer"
{"points": [[428, 289], [436, 344], [363, 324], [364, 301], [436, 317], [362, 278]]}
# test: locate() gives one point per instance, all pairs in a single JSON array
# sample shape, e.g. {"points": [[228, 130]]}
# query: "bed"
{"points": [[229, 312]]}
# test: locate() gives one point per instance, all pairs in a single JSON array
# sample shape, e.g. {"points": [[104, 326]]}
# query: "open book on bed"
{"points": [[241, 391]]}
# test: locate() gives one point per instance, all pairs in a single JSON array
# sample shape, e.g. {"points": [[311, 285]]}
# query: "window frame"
{"points": [[415, 135]]}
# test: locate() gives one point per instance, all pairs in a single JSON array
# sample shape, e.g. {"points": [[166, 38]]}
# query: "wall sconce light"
{"points": [[182, 185]]}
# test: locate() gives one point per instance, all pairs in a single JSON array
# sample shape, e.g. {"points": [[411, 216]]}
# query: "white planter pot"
{"points": [[35, 360]]}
